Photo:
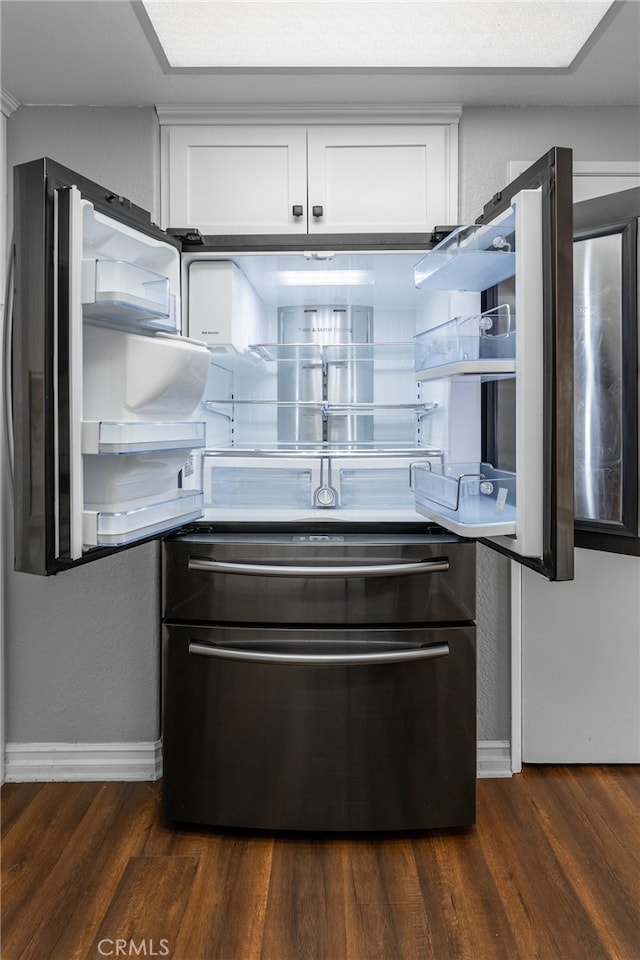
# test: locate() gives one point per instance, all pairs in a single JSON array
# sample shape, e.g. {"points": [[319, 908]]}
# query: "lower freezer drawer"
{"points": [[349, 730]]}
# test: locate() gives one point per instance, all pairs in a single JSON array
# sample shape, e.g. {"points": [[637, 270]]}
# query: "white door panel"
{"points": [[236, 180], [377, 179]]}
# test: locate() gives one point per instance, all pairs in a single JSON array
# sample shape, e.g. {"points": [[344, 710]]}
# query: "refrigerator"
{"points": [[318, 429], [162, 378]]}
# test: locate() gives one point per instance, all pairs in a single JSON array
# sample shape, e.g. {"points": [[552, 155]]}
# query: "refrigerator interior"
{"points": [[308, 386], [313, 406]]}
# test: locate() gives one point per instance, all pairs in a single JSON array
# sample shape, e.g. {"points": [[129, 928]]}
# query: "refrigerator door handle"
{"points": [[428, 652], [7, 349], [439, 565]]}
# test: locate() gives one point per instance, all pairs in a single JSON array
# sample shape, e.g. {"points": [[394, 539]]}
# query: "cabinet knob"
{"points": [[297, 210], [317, 212]]}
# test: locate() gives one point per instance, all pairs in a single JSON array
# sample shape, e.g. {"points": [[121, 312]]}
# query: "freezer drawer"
{"points": [[319, 579], [299, 729]]}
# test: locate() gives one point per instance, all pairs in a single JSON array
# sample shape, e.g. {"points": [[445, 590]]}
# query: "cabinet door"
{"points": [[381, 179], [235, 179]]}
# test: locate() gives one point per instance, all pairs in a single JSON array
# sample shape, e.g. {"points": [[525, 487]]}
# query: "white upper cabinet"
{"points": [[230, 179], [278, 179], [379, 179]]}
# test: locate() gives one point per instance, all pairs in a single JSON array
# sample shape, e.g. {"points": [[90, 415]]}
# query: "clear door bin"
{"points": [[483, 344], [128, 522], [471, 258], [141, 436], [473, 499], [118, 479], [122, 292]]}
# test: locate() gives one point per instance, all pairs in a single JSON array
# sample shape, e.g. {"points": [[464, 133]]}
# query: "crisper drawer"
{"points": [[301, 578], [320, 729]]}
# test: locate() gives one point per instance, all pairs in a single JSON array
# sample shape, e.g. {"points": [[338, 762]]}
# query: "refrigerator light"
{"points": [[315, 278]]}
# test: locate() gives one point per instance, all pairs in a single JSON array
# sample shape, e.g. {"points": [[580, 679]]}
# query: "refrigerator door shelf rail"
{"points": [[135, 520], [137, 436]]}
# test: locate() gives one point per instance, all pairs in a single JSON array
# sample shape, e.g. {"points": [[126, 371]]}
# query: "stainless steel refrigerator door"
{"points": [[298, 730], [598, 378], [529, 515], [47, 361]]}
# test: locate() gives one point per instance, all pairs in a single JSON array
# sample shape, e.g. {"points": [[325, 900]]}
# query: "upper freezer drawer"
{"points": [[319, 579]]}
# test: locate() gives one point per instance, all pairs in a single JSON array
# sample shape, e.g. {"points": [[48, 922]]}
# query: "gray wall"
{"points": [[82, 648], [491, 137], [83, 654]]}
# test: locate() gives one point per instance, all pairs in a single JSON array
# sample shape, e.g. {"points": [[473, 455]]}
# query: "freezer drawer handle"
{"points": [[440, 565], [320, 659]]}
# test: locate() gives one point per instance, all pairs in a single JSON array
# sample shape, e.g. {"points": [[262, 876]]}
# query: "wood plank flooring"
{"points": [[551, 871]]}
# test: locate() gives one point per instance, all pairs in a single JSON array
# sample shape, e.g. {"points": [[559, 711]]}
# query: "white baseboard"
{"points": [[143, 761], [494, 758], [83, 761]]}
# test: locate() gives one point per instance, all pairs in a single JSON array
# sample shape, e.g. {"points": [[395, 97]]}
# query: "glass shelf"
{"points": [[471, 258], [130, 437], [324, 405], [316, 450], [334, 352], [473, 499], [134, 520]]}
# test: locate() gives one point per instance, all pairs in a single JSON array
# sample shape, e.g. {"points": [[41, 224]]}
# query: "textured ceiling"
{"points": [[432, 34], [96, 52]]}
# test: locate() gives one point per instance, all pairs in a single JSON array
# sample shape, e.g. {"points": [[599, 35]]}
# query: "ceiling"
{"points": [[98, 53]]}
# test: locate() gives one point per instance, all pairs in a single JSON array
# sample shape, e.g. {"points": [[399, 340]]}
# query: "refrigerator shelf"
{"points": [[133, 520], [138, 436], [471, 258], [123, 293], [324, 405], [314, 450], [472, 499], [388, 354]]}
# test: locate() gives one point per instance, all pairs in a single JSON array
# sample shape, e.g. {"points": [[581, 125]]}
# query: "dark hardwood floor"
{"points": [[551, 871]]}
